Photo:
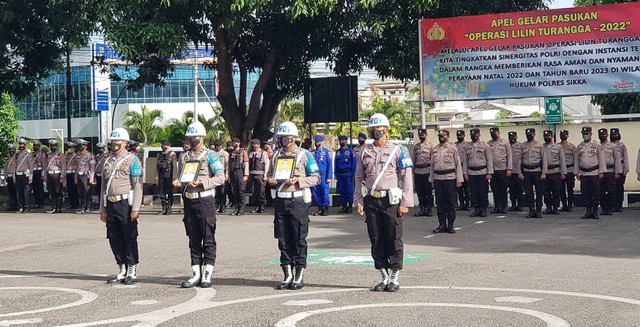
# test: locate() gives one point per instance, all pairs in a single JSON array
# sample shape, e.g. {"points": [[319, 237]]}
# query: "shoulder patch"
{"points": [[404, 160], [312, 166], [215, 164], [136, 168]]}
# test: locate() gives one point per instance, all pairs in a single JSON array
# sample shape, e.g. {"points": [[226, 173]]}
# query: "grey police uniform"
{"points": [[10, 171], [84, 176], [556, 168], [477, 163], [624, 157], [422, 171], [23, 177], [588, 163], [534, 165], [502, 157], [515, 184], [614, 168], [72, 186], [463, 192], [446, 171], [56, 169], [569, 182]]}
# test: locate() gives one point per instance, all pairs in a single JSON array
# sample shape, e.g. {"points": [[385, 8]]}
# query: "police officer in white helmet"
{"points": [[199, 204], [120, 201]]}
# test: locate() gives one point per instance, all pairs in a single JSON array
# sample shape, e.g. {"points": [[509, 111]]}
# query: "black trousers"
{"points": [[38, 188], [122, 232], [590, 189], [13, 195], [499, 183], [463, 193], [424, 190], [620, 190], [221, 194], [23, 191], [200, 224], [479, 187], [385, 233], [165, 186], [291, 228], [237, 187], [84, 191], [55, 188], [267, 193], [446, 200], [567, 186], [608, 190], [257, 190], [532, 181], [72, 190], [552, 188], [515, 190]]}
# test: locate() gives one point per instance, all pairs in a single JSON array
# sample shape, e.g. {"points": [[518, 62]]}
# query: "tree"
{"points": [[143, 126], [395, 111], [174, 130], [8, 126]]}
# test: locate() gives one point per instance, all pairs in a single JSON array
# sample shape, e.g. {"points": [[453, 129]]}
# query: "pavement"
{"points": [[502, 270]]}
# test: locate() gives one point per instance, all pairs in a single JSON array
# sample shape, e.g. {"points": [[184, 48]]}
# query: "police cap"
{"points": [[475, 131], [586, 129], [443, 132], [166, 142], [229, 143], [318, 138], [53, 142], [460, 132], [547, 133], [218, 143], [615, 131], [422, 131], [255, 141], [494, 129], [362, 135], [36, 142], [342, 138], [602, 131], [512, 133], [530, 131], [564, 132], [101, 145], [235, 140]]}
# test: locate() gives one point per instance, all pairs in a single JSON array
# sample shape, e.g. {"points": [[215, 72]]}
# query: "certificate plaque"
{"points": [[284, 169], [189, 172]]}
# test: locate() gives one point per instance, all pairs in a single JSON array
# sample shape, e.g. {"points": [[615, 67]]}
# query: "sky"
{"points": [[555, 4]]}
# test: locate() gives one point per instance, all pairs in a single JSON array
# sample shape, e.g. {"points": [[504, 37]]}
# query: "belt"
{"points": [[477, 168], [117, 198], [553, 166], [323, 173], [610, 166], [39, 168], [378, 194], [423, 166], [345, 171], [51, 172], [444, 172], [198, 195], [19, 173], [9, 175], [289, 195], [71, 171], [586, 170], [536, 166], [569, 166]]}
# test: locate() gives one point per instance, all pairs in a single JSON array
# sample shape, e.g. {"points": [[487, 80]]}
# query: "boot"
{"points": [[168, 211], [298, 280], [394, 285], [441, 228], [343, 209], [350, 207], [554, 210], [235, 212], [538, 213], [594, 213], [223, 207], [288, 277], [503, 208], [384, 282], [483, 212], [54, 209], [325, 211], [450, 230], [549, 210], [496, 209], [513, 207], [587, 214], [162, 212], [59, 209], [421, 212], [476, 212], [255, 210], [617, 208], [120, 277], [261, 208], [195, 278], [606, 212], [240, 210], [319, 212], [131, 275], [428, 212], [532, 212], [206, 276]]}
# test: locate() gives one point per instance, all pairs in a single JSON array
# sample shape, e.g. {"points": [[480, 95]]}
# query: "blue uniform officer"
{"points": [[344, 172], [324, 160]]}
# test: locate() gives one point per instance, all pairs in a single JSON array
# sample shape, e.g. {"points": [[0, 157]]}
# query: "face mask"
{"points": [[564, 137], [615, 137], [37, 148], [460, 138], [377, 134], [285, 142], [602, 138], [586, 137], [529, 138], [343, 144], [114, 147], [360, 142], [494, 136], [318, 145], [422, 138], [194, 142], [442, 139], [474, 138], [547, 139], [512, 140]]}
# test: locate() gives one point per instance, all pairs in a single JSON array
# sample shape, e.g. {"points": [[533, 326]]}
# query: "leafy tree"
{"points": [[8, 126], [143, 126], [174, 130], [395, 111]]}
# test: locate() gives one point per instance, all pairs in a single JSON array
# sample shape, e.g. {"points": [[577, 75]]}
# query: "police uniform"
{"points": [[569, 182], [258, 166], [515, 183], [345, 169], [23, 177], [613, 170], [101, 158], [267, 186], [39, 158], [445, 173], [324, 160], [422, 172], [624, 157], [133, 149], [588, 165], [359, 147], [477, 166], [463, 192], [228, 171], [556, 172], [10, 170], [55, 168], [84, 177], [167, 170], [72, 187], [502, 156], [238, 170], [221, 190], [534, 167]]}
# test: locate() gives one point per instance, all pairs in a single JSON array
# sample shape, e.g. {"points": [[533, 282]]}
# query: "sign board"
{"points": [[561, 52], [553, 111], [352, 259], [102, 100]]}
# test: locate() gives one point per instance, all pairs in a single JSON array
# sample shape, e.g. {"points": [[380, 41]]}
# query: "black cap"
{"points": [[586, 129], [564, 132], [475, 131], [255, 141], [460, 132], [512, 133], [36, 142], [212, 142], [185, 142], [494, 129], [53, 142], [602, 131], [614, 131], [530, 131], [133, 143], [218, 143], [235, 140], [443, 132], [422, 131], [229, 143], [101, 145], [166, 142], [547, 133]]}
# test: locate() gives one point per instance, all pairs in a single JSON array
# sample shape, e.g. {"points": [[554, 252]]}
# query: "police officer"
{"points": [[515, 184], [23, 176], [556, 172], [200, 218], [56, 169], [384, 167], [227, 185], [422, 170], [292, 196], [238, 174], [267, 146], [101, 158], [84, 176], [463, 192], [478, 169], [446, 175], [120, 201], [181, 160], [324, 159], [502, 156], [610, 175], [10, 170], [569, 182], [72, 166], [167, 170], [133, 149], [221, 190], [258, 166], [345, 170], [306, 144], [534, 170], [588, 166], [39, 158], [362, 138], [624, 157]]}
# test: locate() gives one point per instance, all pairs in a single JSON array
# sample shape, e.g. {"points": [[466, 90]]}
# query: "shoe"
{"points": [[206, 276], [565, 209], [475, 213], [255, 210], [548, 211], [162, 212], [428, 212], [240, 211], [350, 208], [288, 277], [483, 212], [394, 285], [442, 228], [317, 213], [518, 208], [53, 210], [606, 212], [512, 208], [617, 209], [421, 212], [298, 280], [80, 212], [554, 211], [451, 230], [594, 213], [235, 212], [495, 209], [120, 277], [261, 209], [168, 211], [538, 214], [132, 278], [385, 281], [587, 214], [344, 209], [325, 211], [532, 213], [20, 211], [195, 278]]}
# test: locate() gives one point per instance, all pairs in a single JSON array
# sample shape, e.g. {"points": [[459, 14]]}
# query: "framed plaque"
{"points": [[284, 169], [189, 172]]}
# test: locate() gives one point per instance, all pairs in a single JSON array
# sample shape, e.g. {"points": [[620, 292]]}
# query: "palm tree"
{"points": [[396, 112], [175, 129], [144, 125]]}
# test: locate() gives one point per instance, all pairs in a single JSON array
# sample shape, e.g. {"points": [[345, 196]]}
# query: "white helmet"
{"points": [[287, 128], [196, 129], [378, 120], [119, 134]]}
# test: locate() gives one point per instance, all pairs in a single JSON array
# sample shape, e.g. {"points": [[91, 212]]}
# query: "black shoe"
{"points": [[483, 212], [420, 213], [538, 214], [548, 211], [319, 212], [451, 230], [393, 287], [587, 214], [495, 209], [379, 287], [512, 208], [255, 210], [168, 211], [440, 229], [475, 213], [298, 279], [606, 212], [288, 278], [428, 212], [325, 211], [555, 211], [240, 211], [594, 213], [565, 209], [261, 209], [532, 213], [617, 209]]}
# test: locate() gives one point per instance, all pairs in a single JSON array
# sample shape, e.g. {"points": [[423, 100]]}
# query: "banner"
{"points": [[562, 52]]}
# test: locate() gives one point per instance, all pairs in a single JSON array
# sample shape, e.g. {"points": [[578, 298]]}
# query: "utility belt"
{"points": [[553, 166], [39, 168], [610, 166], [586, 170], [394, 194], [99, 174], [305, 194], [9, 175], [536, 166], [444, 172], [71, 171], [289, 195], [199, 195], [477, 168], [569, 166], [53, 172], [343, 171], [423, 165], [117, 198], [323, 173], [20, 173]]}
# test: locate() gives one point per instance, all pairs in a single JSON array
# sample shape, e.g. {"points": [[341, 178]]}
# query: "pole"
{"points": [[195, 86], [68, 94], [423, 122], [115, 105]]}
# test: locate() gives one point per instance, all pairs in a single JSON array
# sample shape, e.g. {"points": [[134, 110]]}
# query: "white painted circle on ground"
{"points": [[86, 297], [144, 302], [20, 322]]}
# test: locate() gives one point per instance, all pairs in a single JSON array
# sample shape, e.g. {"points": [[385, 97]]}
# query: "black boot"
{"points": [[441, 228], [385, 281], [288, 277], [325, 211], [554, 210], [240, 210], [450, 228], [168, 211], [483, 212], [475, 213], [549, 210], [121, 276], [235, 212], [255, 210], [298, 279], [164, 209], [350, 208], [420, 213], [496, 209], [261, 208], [594, 213], [539, 212], [343, 209], [606, 211], [587, 214], [532, 212], [319, 212], [428, 212], [394, 284]]}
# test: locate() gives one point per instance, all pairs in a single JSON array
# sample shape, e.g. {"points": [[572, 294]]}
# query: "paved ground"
{"points": [[497, 271]]}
